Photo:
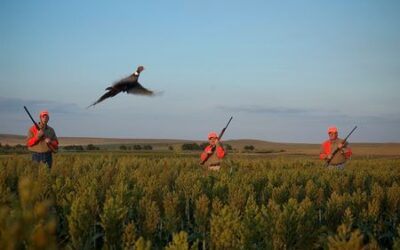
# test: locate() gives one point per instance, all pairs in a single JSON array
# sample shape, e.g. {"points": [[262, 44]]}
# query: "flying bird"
{"points": [[129, 85]]}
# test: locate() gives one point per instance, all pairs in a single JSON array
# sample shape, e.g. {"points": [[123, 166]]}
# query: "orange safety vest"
{"points": [[326, 150]]}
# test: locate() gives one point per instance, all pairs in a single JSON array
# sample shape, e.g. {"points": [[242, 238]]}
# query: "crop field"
{"points": [[125, 200]]}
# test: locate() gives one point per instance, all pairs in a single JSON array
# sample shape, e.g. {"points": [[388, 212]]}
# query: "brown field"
{"points": [[360, 149]]}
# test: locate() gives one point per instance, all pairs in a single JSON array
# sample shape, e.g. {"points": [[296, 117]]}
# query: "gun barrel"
{"points": [[30, 116], [223, 130]]}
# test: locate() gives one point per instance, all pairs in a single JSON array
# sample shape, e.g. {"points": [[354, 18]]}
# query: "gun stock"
{"points": [[219, 137], [52, 149]]}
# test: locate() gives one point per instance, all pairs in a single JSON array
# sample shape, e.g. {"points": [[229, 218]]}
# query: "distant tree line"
{"points": [[249, 147], [246, 148], [89, 147], [74, 148], [194, 146], [136, 147], [13, 149], [23, 148]]}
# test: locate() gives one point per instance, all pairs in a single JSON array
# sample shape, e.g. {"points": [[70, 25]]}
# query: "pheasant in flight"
{"points": [[129, 85]]}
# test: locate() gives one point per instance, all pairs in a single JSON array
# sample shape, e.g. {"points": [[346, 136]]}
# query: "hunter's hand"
{"points": [[211, 149], [47, 140], [328, 157], [40, 134], [340, 146]]}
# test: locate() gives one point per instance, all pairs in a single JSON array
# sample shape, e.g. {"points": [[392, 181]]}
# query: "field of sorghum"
{"points": [[127, 201]]}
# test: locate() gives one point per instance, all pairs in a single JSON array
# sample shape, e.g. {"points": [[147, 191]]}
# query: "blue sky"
{"points": [[285, 70]]}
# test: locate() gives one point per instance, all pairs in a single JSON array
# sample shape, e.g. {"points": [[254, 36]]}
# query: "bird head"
{"points": [[140, 69]]}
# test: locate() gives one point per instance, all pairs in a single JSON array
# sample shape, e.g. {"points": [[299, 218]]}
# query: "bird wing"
{"points": [[138, 89], [110, 93]]}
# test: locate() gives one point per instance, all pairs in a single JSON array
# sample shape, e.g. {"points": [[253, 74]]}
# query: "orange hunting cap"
{"points": [[212, 135], [332, 130], [44, 112]]}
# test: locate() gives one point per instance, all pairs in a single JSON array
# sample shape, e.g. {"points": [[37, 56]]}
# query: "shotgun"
{"points": [[337, 149], [52, 149], [219, 138]]}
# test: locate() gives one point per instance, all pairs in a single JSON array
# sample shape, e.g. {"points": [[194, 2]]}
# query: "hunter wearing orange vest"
{"points": [[213, 153], [41, 141], [330, 145]]}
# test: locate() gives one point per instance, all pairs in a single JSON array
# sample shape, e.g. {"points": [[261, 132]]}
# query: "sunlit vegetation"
{"points": [[167, 201]]}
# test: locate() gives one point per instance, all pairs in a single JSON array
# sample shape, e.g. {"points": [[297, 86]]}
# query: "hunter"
{"points": [[43, 141], [329, 146], [213, 153]]}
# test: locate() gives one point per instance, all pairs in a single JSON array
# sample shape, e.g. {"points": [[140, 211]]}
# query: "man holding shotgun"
{"points": [[335, 151], [214, 152], [42, 139]]}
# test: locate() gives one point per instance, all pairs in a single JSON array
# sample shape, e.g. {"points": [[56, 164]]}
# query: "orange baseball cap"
{"points": [[212, 135], [44, 112], [332, 130]]}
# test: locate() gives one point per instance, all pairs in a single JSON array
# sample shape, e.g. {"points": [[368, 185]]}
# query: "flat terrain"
{"points": [[360, 149]]}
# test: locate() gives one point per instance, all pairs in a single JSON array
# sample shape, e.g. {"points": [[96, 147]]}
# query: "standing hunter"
{"points": [[42, 142], [213, 153], [337, 160]]}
